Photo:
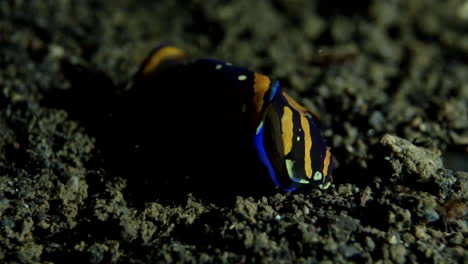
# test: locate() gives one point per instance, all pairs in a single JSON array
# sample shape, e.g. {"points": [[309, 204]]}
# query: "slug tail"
{"points": [[161, 58]]}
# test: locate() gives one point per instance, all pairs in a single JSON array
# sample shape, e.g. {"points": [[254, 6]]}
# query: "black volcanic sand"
{"points": [[389, 79]]}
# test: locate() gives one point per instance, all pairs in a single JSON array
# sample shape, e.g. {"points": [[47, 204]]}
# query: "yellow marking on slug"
{"points": [[290, 169], [287, 132], [295, 104], [326, 163], [159, 56], [299, 107], [241, 77], [307, 146], [324, 187], [304, 115], [261, 86], [218, 67], [244, 108]]}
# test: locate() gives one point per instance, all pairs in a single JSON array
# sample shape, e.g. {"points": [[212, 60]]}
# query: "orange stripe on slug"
{"points": [[261, 86], [307, 146], [295, 104], [299, 107], [287, 132], [326, 163], [164, 53]]}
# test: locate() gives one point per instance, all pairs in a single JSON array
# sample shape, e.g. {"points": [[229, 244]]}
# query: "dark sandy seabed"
{"points": [[389, 79]]}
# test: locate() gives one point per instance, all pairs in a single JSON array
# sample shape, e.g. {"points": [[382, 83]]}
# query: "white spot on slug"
{"points": [[323, 187], [317, 176]]}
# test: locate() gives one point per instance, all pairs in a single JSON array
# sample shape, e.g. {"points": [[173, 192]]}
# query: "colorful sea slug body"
{"points": [[244, 108]]}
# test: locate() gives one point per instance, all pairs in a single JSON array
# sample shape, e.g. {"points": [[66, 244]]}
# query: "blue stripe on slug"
{"points": [[264, 158]]}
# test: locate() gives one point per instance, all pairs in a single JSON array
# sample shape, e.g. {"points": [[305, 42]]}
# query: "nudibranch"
{"points": [[285, 135]]}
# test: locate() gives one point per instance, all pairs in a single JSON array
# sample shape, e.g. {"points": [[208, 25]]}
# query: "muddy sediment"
{"points": [[389, 80]]}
